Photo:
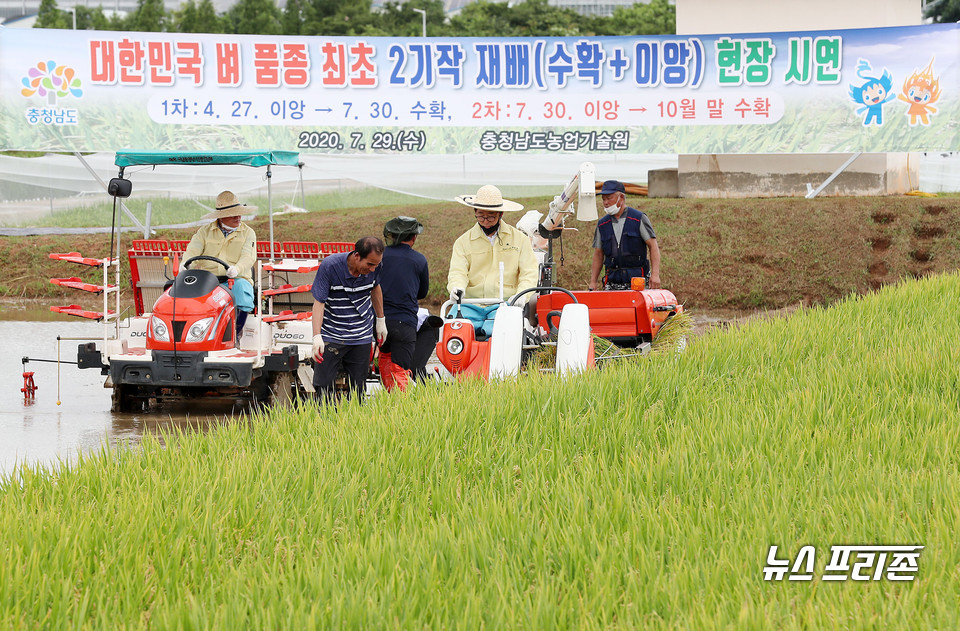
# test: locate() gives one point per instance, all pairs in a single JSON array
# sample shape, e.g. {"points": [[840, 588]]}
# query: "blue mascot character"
{"points": [[872, 94]]}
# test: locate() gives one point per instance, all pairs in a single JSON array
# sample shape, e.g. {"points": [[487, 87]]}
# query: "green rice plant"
{"points": [[672, 336], [542, 359], [645, 495]]}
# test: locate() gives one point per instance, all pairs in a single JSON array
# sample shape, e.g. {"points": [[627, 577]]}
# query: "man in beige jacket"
{"points": [[234, 243], [479, 252]]}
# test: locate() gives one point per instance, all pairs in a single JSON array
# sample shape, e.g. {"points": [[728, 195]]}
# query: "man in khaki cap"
{"points": [[405, 280], [478, 253], [234, 243]]}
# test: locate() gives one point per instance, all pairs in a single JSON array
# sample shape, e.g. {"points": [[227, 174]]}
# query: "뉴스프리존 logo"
{"points": [[856, 562], [50, 81]]}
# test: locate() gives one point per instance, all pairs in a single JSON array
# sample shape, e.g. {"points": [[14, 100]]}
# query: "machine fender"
{"points": [[573, 340], [506, 342]]}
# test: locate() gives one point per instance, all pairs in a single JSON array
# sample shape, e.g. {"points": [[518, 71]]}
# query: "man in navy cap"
{"points": [[622, 242]]}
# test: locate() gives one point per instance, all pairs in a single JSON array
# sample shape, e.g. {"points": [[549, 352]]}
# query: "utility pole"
{"points": [[423, 14]]}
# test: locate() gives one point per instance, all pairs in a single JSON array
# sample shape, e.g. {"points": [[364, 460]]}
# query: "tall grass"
{"points": [[644, 495]]}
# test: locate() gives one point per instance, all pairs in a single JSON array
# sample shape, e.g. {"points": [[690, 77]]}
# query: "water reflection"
{"points": [[43, 431]]}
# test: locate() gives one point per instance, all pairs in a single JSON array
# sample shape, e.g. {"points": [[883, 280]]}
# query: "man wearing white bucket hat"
{"points": [[479, 253], [234, 243]]}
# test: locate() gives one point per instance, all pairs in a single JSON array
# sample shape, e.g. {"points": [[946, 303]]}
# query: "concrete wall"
{"points": [[755, 16], [762, 175]]}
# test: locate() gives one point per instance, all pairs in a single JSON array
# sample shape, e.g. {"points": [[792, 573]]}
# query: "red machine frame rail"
{"points": [[80, 312], [76, 257], [78, 283]]}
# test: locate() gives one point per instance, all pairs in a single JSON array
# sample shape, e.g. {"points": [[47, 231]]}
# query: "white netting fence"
{"points": [[33, 189], [38, 187]]}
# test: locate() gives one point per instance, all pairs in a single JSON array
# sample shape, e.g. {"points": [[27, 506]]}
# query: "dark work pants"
{"points": [[622, 275], [427, 338], [355, 359], [401, 341]]}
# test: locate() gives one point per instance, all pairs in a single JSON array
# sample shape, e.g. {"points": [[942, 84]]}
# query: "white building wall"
{"points": [[701, 17]]}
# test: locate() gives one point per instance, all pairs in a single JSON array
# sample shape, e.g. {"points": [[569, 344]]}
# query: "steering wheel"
{"points": [[513, 300], [204, 257]]}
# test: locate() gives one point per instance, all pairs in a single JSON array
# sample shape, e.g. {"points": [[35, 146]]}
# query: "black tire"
{"points": [[281, 388], [124, 399]]}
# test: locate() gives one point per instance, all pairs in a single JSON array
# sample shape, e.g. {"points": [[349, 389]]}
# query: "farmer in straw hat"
{"points": [[478, 253], [233, 242]]}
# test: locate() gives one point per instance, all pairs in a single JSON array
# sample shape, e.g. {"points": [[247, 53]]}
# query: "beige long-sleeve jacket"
{"points": [[238, 248], [475, 263]]}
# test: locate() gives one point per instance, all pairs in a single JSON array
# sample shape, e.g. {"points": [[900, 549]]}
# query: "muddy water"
{"points": [[71, 413]]}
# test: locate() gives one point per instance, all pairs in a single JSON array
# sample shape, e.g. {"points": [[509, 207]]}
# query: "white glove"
{"points": [[232, 271], [381, 330], [456, 294], [318, 348]]}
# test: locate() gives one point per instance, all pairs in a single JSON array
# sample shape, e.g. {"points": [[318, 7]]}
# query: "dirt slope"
{"points": [[717, 254]]}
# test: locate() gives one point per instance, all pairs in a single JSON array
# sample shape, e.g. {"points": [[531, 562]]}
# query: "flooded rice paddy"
{"points": [[70, 413]]}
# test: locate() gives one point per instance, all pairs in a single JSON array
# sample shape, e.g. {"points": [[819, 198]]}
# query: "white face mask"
{"points": [[613, 209], [227, 229]]}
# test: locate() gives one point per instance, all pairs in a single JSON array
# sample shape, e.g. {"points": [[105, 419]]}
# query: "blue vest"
{"points": [[628, 259]]}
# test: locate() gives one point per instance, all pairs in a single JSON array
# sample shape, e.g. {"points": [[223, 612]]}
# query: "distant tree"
{"points": [[538, 18], [524, 19], [483, 19], [91, 18], [117, 21], [944, 11], [260, 17], [149, 15], [345, 17], [49, 16], [299, 18], [656, 18], [197, 18], [329, 8], [398, 19]]}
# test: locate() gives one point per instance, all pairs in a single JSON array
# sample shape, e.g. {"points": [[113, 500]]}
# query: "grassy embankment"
{"points": [[717, 254], [641, 496]]}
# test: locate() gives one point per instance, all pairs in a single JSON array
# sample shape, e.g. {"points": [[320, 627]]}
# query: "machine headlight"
{"points": [[198, 330], [159, 329], [454, 346]]}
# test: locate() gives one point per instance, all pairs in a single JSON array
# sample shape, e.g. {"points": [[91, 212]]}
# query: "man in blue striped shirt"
{"points": [[347, 311]]}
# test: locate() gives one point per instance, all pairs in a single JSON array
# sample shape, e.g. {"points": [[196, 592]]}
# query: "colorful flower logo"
{"points": [[49, 80]]}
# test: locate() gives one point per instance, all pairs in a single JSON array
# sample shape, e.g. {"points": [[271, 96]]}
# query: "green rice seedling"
{"points": [[605, 349], [672, 336], [645, 495], [543, 359]]}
